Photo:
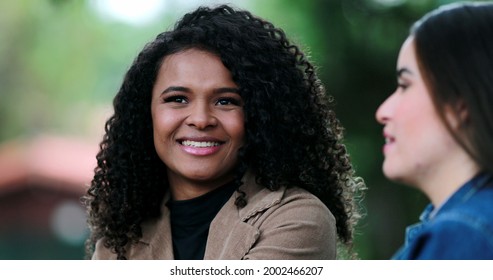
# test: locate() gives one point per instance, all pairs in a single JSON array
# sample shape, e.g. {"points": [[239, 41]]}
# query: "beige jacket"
{"points": [[285, 224]]}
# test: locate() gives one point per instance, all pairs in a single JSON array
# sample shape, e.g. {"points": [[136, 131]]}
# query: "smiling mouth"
{"points": [[389, 140], [200, 144]]}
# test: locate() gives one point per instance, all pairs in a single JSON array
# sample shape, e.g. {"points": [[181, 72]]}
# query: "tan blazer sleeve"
{"points": [[300, 227]]}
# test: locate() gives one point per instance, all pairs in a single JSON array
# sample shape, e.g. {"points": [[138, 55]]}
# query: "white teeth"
{"points": [[199, 144]]}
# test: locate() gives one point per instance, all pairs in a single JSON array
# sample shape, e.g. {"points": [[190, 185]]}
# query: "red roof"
{"points": [[49, 161]]}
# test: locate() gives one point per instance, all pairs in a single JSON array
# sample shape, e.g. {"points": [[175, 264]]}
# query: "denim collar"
{"points": [[463, 194]]}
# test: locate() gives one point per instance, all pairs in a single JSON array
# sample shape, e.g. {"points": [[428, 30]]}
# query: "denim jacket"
{"points": [[462, 228]]}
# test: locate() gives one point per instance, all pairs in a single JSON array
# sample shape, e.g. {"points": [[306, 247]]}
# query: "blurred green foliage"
{"points": [[61, 64]]}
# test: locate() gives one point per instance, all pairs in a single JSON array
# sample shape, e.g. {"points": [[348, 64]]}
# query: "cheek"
{"points": [[411, 124], [414, 141], [236, 128], [163, 123], [422, 146]]}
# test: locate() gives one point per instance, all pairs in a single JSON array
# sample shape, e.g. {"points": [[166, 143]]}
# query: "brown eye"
{"points": [[227, 101], [402, 85], [175, 99]]}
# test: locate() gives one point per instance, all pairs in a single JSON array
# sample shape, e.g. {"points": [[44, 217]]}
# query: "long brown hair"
{"points": [[454, 49]]}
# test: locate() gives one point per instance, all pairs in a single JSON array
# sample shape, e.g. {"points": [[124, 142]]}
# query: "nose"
{"points": [[201, 116], [384, 111]]}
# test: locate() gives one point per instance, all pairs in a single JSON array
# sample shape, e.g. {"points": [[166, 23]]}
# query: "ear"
{"points": [[461, 112], [457, 114]]}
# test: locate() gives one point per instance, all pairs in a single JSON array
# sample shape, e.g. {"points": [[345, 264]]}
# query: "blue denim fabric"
{"points": [[462, 228]]}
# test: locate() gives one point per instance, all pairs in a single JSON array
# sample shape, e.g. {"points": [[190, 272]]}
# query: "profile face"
{"points": [[198, 119], [416, 140]]}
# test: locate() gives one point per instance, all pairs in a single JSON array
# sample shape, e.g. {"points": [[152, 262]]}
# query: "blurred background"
{"points": [[62, 62]]}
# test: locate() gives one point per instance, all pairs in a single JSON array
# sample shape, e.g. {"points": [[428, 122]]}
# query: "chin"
{"points": [[390, 172], [396, 177]]}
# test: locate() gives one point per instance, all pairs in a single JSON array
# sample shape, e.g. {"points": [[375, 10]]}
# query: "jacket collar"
{"points": [[463, 194], [231, 234], [156, 237], [151, 228], [259, 198]]}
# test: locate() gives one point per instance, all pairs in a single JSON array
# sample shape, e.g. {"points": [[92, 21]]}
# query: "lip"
{"points": [[210, 146], [389, 141]]}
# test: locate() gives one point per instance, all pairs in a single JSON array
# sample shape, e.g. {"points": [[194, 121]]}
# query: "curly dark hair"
{"points": [[292, 136]]}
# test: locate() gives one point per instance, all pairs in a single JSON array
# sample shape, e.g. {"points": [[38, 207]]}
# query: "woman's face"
{"points": [[198, 119], [417, 142]]}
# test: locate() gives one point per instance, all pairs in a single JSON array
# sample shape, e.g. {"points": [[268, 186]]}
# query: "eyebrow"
{"points": [[402, 71], [216, 91], [227, 89], [175, 88]]}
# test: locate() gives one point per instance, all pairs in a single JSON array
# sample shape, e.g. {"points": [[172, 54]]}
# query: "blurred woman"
{"points": [[438, 129], [223, 145]]}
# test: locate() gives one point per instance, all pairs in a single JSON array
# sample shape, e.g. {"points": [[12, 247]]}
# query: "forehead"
{"points": [[407, 54], [193, 65]]}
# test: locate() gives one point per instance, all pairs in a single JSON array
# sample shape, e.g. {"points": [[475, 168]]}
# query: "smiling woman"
{"points": [[223, 145], [198, 122]]}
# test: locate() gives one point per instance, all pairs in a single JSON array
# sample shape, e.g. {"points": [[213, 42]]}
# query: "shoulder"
{"points": [[464, 232], [453, 239], [303, 204], [475, 211], [261, 200], [462, 224], [293, 224], [304, 213], [286, 202]]}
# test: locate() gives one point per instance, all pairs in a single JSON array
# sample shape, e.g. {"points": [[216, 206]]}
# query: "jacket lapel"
{"points": [[229, 237], [156, 240], [231, 233]]}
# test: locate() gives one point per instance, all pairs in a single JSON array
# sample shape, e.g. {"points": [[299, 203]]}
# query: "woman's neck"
{"points": [[445, 179], [182, 189]]}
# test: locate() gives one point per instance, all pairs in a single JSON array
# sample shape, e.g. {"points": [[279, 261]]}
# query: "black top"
{"points": [[190, 221]]}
